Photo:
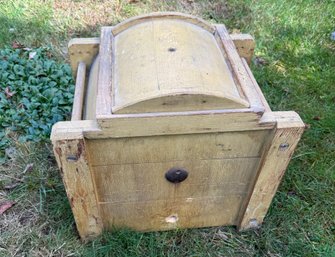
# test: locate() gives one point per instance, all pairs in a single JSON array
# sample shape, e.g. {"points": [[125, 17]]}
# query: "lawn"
{"points": [[294, 65]]}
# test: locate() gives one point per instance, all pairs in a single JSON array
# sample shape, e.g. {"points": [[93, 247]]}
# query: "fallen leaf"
{"points": [[316, 118], [32, 55], [17, 45], [4, 206], [221, 235], [29, 167], [8, 93]]}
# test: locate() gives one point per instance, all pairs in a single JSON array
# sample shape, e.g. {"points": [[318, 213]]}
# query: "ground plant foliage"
{"points": [[36, 91], [294, 64]]}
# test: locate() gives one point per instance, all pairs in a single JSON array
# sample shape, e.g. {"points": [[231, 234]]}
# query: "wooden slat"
{"points": [[146, 181], [172, 214], [77, 108], [238, 68], [72, 158], [82, 50], [273, 166], [245, 45], [256, 86], [130, 125], [104, 94], [176, 147]]}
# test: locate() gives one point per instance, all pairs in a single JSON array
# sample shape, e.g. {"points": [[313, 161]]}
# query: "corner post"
{"points": [[272, 168], [72, 158]]}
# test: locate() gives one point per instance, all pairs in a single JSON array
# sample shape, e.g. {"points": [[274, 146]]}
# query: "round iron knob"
{"points": [[176, 175]]}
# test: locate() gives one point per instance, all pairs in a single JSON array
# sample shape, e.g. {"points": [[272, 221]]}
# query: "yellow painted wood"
{"points": [[176, 147], [78, 99], [178, 66], [72, 158], [274, 163]]}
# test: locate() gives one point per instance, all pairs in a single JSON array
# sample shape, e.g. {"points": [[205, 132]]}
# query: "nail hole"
{"points": [[172, 49]]}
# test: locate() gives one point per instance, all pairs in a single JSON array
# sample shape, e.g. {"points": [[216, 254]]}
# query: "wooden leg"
{"points": [[272, 168], [72, 159]]}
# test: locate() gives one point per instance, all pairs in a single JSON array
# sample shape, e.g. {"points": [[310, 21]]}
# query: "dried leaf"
{"points": [[8, 93], [17, 45], [4, 206], [316, 118]]}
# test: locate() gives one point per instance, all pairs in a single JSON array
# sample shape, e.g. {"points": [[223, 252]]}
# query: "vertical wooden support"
{"points": [[272, 168], [104, 95], [245, 45], [72, 159]]}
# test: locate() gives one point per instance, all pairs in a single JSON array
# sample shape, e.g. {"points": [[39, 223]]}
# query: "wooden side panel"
{"points": [[72, 158], [77, 108], [176, 147], [133, 183], [167, 214], [274, 162]]}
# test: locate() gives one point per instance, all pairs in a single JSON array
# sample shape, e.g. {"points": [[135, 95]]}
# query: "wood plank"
{"points": [[256, 86], [167, 214], [82, 50], [104, 90], [148, 55], [164, 16], [238, 68], [77, 108], [245, 45], [72, 158], [125, 183], [274, 163], [176, 147], [130, 125]]}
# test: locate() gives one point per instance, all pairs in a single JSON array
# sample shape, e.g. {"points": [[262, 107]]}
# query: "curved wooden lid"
{"points": [[167, 63]]}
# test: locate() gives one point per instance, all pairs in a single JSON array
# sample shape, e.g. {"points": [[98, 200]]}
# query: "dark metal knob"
{"points": [[176, 175]]}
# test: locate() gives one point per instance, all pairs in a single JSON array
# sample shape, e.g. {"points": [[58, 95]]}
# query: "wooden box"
{"points": [[169, 129]]}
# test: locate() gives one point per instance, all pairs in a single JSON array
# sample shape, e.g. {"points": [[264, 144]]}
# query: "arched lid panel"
{"points": [[170, 65]]}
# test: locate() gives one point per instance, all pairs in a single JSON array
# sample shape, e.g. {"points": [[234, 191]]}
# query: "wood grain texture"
{"points": [[72, 159], [274, 163], [173, 74], [104, 91], [256, 86], [162, 16], [78, 100], [82, 50], [176, 147], [238, 68], [124, 125], [245, 45]]}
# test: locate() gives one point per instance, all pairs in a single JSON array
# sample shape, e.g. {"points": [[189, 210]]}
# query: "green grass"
{"points": [[293, 38]]}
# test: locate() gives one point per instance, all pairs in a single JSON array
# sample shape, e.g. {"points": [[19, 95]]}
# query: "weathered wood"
{"points": [[72, 158], [104, 90], [82, 50], [256, 86], [201, 81], [238, 68], [274, 162], [162, 16], [132, 125], [176, 147], [245, 45], [78, 99]]}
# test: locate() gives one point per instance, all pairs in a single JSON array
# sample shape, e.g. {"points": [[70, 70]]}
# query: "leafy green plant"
{"points": [[35, 92]]}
